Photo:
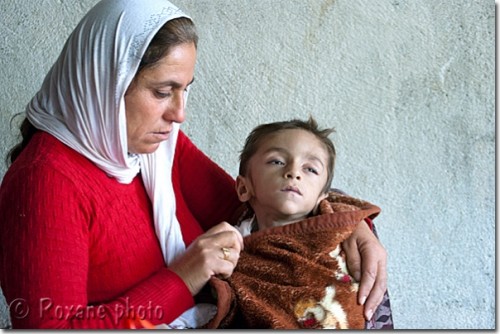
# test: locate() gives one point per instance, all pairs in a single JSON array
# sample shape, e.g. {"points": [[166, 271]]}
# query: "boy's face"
{"points": [[286, 176]]}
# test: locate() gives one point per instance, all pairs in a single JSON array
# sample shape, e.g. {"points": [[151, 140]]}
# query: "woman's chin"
{"points": [[145, 149]]}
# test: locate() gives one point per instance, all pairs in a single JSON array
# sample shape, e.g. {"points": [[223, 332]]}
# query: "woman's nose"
{"points": [[176, 111]]}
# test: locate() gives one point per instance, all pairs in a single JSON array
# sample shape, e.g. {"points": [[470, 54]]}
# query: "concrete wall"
{"points": [[408, 85]]}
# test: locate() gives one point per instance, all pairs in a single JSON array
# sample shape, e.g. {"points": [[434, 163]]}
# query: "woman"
{"points": [[98, 220]]}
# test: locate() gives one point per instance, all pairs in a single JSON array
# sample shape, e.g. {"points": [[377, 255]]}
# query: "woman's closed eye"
{"points": [[162, 95]]}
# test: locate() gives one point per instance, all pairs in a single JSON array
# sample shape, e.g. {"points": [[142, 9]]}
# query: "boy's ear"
{"points": [[320, 198], [242, 189]]}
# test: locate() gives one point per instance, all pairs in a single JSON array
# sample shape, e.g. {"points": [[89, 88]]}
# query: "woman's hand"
{"points": [[366, 261], [216, 252]]}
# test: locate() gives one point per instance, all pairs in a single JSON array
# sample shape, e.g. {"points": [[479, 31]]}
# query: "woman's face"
{"points": [[155, 99]]}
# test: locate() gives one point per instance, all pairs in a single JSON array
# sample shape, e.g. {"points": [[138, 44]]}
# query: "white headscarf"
{"points": [[81, 102]]}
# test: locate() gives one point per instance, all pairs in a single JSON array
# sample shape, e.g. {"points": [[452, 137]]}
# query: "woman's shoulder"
{"points": [[46, 155]]}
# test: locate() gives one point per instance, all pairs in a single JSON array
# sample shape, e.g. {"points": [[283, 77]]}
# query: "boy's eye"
{"points": [[312, 170], [276, 162]]}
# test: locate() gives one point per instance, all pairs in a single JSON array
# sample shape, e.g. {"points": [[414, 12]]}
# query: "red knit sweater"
{"points": [[78, 249]]}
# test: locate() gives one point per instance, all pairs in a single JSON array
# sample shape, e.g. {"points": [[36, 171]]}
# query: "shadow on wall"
{"points": [[4, 313]]}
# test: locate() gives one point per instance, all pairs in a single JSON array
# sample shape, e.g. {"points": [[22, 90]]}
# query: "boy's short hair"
{"points": [[259, 133]]}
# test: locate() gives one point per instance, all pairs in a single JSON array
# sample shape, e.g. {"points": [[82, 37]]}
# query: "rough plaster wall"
{"points": [[409, 86]]}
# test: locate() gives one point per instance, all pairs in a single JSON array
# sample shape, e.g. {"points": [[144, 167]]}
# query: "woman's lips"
{"points": [[161, 135]]}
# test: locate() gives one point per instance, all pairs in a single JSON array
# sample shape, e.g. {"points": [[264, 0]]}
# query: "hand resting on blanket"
{"points": [[372, 271]]}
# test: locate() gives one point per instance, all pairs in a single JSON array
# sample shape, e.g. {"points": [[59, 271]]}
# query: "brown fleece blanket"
{"points": [[295, 276]]}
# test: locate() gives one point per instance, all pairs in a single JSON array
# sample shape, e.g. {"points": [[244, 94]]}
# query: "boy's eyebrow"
{"points": [[316, 158], [276, 148]]}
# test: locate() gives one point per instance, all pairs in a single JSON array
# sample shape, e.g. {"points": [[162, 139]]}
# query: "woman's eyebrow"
{"points": [[173, 83]]}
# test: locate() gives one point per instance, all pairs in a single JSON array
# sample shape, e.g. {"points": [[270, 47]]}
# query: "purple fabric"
{"points": [[382, 318]]}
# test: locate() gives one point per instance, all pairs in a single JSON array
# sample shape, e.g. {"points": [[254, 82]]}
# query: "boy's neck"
{"points": [[264, 221]]}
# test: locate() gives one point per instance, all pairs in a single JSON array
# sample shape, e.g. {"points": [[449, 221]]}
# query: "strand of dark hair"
{"points": [[27, 131]]}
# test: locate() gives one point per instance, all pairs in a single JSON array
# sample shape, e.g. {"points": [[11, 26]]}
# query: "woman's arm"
{"points": [[366, 260], [60, 268], [206, 188]]}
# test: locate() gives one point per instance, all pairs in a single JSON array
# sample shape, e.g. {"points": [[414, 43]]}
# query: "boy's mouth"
{"points": [[292, 189]]}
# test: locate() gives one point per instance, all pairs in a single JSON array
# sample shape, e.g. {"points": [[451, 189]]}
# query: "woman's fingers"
{"points": [[377, 282], [229, 236], [366, 260], [353, 257], [214, 253], [374, 277], [225, 266]]}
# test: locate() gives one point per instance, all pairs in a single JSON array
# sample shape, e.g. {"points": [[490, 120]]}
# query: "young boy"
{"points": [[286, 169], [291, 273]]}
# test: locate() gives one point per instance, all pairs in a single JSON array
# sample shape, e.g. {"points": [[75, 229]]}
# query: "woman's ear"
{"points": [[243, 189]]}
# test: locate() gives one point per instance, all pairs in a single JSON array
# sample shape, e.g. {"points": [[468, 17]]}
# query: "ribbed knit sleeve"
{"points": [[78, 249], [208, 191]]}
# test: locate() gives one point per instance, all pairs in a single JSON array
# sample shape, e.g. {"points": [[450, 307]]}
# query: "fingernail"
{"points": [[362, 300], [369, 314]]}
